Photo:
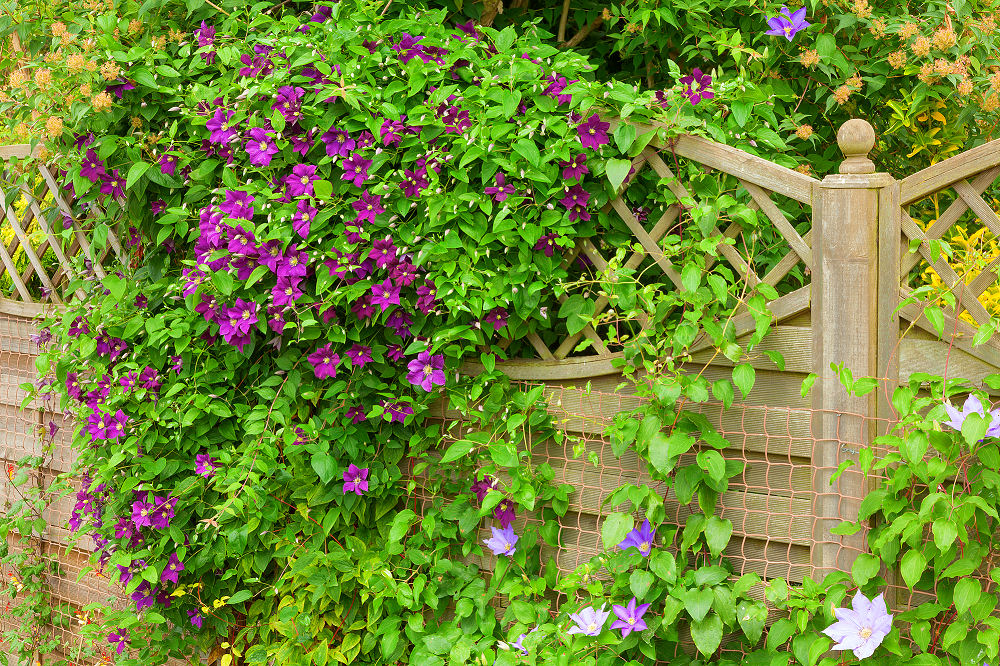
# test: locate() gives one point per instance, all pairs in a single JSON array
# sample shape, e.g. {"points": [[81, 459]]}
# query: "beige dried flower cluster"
{"points": [[101, 102], [944, 38], [110, 70], [861, 9], [897, 59], [809, 58], [907, 30], [804, 132], [921, 46], [878, 27], [54, 127]]}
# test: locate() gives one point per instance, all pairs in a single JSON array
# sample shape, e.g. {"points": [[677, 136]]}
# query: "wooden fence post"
{"points": [[845, 331]]}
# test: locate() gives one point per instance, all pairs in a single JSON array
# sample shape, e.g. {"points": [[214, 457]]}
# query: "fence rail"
{"points": [[847, 236]]}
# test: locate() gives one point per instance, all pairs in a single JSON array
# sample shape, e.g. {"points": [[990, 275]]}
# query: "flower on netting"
{"points": [[302, 145], [426, 297], [504, 513], [325, 362], [502, 189], [972, 406], [173, 568], [196, 618], [73, 386], [641, 538], [788, 24], [426, 371], [294, 263], [588, 621], [482, 487], [205, 465], [629, 617], [862, 628], [260, 146], [502, 542], [355, 480], [696, 86], [119, 638], [78, 327], [593, 132]]}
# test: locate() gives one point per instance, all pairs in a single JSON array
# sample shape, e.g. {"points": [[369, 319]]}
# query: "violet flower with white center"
{"points": [[355, 480], [502, 542], [260, 146], [630, 617], [588, 621], [427, 371], [640, 538], [862, 628]]}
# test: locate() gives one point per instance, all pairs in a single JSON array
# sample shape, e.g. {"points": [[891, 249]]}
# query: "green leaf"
{"points": [[741, 112], [691, 277], [936, 318], [239, 597], [807, 383], [698, 602], [664, 565], [912, 567], [624, 136], [401, 523], [712, 462], [504, 453], [718, 533], [322, 189], [865, 567], [135, 173], [617, 171], [528, 149], [459, 449], [640, 581], [945, 533], [707, 634], [914, 446], [116, 285], [974, 428], [664, 450], [920, 632], [779, 633], [324, 465], [743, 377], [967, 593], [752, 616], [614, 529]]}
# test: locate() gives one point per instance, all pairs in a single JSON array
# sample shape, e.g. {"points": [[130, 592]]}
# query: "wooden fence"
{"points": [[847, 238]]}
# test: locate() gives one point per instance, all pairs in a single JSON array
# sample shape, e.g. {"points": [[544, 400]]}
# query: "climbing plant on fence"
{"points": [[335, 211]]}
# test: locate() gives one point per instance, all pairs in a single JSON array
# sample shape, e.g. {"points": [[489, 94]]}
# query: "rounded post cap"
{"points": [[856, 138]]}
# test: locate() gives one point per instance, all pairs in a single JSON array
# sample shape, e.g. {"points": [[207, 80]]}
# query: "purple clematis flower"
{"points": [[355, 480], [385, 294], [300, 182], [696, 86], [338, 142], [788, 24], [173, 568], [205, 465], [359, 355], [641, 538], [588, 621], [593, 132], [575, 168], [356, 169], [260, 146], [862, 628], [502, 189], [325, 362], [119, 639], [303, 217], [196, 618], [426, 371], [629, 617], [238, 205], [367, 207], [502, 542], [972, 406], [221, 131]]}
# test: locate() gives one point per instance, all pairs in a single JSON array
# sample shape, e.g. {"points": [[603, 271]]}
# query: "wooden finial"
{"points": [[856, 138]]}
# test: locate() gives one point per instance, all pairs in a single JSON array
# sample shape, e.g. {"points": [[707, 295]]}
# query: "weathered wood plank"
{"points": [[959, 333], [939, 176]]}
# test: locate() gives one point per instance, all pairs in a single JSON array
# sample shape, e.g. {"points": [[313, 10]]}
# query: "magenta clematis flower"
{"points": [[355, 480], [359, 355], [142, 514], [92, 167], [504, 513], [356, 169], [119, 639], [324, 362], [383, 252], [547, 244], [222, 131], [385, 294], [338, 142], [260, 146], [356, 414], [368, 206], [787, 24], [696, 86], [304, 215], [502, 189], [862, 628], [205, 465], [196, 618], [593, 132], [575, 168], [630, 617], [238, 205], [300, 182], [502, 542], [113, 184], [427, 371], [173, 568], [168, 164]]}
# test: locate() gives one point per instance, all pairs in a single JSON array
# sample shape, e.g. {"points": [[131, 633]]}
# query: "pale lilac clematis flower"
{"points": [[972, 406], [589, 622], [641, 538], [787, 24], [862, 629], [630, 617], [502, 542]]}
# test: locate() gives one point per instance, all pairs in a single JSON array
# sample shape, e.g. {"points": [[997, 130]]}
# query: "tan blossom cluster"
{"points": [[88, 45], [59, 29], [897, 59], [135, 26], [85, 90], [907, 30], [101, 102], [995, 79], [633, 27], [809, 58], [842, 94], [987, 25], [176, 35], [606, 14], [22, 131], [944, 38], [804, 169], [877, 27], [53, 56], [158, 43], [35, 114], [927, 73], [136, 122], [43, 77], [991, 102], [110, 70], [861, 9], [964, 88], [17, 78], [855, 82], [921, 46], [75, 63], [43, 154], [54, 127], [804, 131]]}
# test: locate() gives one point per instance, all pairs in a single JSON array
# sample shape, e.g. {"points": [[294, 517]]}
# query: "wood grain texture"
{"points": [[939, 176]]}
